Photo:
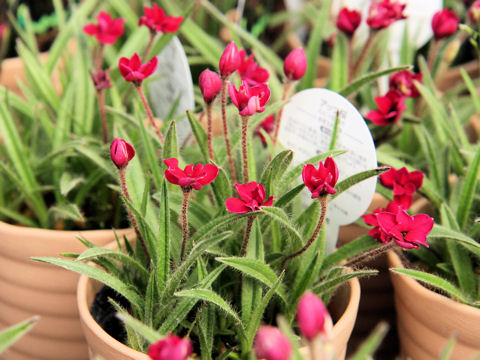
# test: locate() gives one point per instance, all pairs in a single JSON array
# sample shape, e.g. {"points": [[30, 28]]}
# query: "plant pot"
{"points": [[32, 288], [344, 308], [427, 320]]}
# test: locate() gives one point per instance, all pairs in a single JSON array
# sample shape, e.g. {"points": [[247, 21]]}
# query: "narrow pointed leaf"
{"points": [[356, 178], [15, 332]]}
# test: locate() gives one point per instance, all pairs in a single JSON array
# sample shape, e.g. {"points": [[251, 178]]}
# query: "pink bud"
{"points": [[295, 64], [230, 60], [312, 315], [271, 344], [121, 152], [210, 85], [444, 23], [170, 348]]}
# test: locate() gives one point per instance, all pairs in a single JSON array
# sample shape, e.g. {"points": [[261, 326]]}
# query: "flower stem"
{"points": [[323, 202], [98, 59], [350, 58], [225, 130], [186, 193], [369, 255], [432, 54], [133, 221], [149, 113], [103, 114], [248, 230], [286, 89], [244, 148], [363, 53], [209, 130], [149, 46]]}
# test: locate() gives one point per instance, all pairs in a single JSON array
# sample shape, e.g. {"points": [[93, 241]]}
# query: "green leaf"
{"points": [[289, 196], [255, 269], [448, 349], [170, 147], [339, 71], [468, 191], [222, 187], [371, 344], [200, 135], [275, 170], [210, 297], [280, 216], [366, 79], [333, 138], [304, 280], [356, 178], [431, 155], [99, 275], [67, 183], [15, 332], [433, 280], [440, 231], [68, 212], [147, 332], [332, 283], [163, 245]]}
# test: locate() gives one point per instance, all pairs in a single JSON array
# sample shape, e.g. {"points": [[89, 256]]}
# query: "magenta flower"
{"points": [[210, 84], [403, 183], [321, 181], [101, 80], [390, 108], [268, 124], [107, 30], [249, 100], [382, 14], [312, 316], [3, 27], [192, 176], [444, 23], [157, 21], [404, 81], [348, 21], [295, 64], [134, 71], [121, 152], [170, 348], [271, 344], [250, 71], [474, 12], [252, 198], [230, 60], [394, 223]]}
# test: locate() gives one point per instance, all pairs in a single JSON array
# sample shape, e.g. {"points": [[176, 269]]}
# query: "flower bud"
{"points": [[170, 348], [348, 21], [230, 60], [271, 344], [210, 85], [312, 315], [295, 64], [444, 23], [121, 152], [474, 12]]}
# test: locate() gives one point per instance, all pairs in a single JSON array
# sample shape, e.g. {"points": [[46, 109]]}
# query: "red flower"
{"points": [[134, 71], [394, 223], [170, 348], [249, 100], [390, 108], [348, 21], [403, 81], [230, 60], [121, 152], [268, 124], [382, 14], [312, 316], [250, 71], [107, 31], [101, 80], [403, 183], [321, 181], [157, 21], [295, 64], [444, 23], [474, 12], [210, 84], [271, 344], [3, 27], [192, 176], [252, 198]]}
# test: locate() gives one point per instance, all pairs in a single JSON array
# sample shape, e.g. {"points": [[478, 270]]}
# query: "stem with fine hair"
{"points": [[323, 202], [149, 46], [133, 221], [98, 59], [244, 148], [248, 230], [149, 113], [225, 130], [363, 53], [369, 255], [286, 89], [186, 194], [209, 130], [103, 114]]}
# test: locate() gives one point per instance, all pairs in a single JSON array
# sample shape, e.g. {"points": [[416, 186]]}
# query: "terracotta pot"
{"points": [[32, 288], [427, 320], [345, 306]]}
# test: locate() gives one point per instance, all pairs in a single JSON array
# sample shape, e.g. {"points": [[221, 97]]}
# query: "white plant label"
{"points": [[306, 127], [174, 80]]}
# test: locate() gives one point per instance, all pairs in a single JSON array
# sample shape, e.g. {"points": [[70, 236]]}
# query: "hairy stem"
{"points": [[148, 47], [323, 202], [209, 130], [149, 113], [369, 255], [244, 148], [286, 89], [248, 230], [225, 130], [133, 221], [98, 59], [103, 114], [186, 193]]}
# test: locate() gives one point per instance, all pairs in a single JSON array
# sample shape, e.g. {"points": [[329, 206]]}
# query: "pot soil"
{"points": [[100, 343], [427, 320], [32, 288]]}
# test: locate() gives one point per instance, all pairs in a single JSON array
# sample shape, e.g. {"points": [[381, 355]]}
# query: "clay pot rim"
{"points": [[425, 294], [89, 322]]}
